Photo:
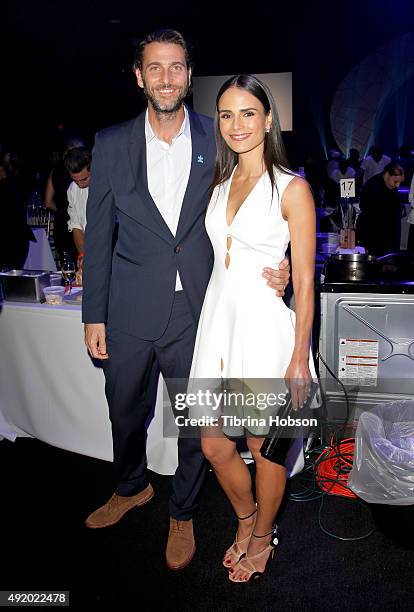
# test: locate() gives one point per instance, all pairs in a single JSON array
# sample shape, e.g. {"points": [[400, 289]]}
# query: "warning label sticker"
{"points": [[358, 360]]}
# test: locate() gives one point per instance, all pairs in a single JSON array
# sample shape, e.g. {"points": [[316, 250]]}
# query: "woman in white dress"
{"points": [[257, 207]]}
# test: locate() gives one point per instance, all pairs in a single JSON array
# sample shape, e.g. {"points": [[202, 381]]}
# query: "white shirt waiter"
{"points": [[77, 199]]}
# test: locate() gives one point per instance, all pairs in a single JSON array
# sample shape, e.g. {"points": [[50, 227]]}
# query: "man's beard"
{"points": [[167, 107]]}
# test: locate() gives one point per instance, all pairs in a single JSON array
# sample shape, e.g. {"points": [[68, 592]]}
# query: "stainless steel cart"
{"points": [[367, 342]]}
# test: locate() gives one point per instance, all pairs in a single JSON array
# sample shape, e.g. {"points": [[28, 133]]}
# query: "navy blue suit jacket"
{"points": [[132, 288]]}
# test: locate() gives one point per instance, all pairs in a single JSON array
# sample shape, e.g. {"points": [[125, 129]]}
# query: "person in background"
{"points": [[77, 162], [355, 163], [343, 171], [332, 164], [374, 163], [379, 223], [315, 175], [56, 199], [15, 234], [406, 160], [353, 159]]}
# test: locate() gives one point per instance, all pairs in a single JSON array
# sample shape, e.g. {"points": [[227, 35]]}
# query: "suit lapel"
{"points": [[191, 200], [138, 160], [199, 146]]}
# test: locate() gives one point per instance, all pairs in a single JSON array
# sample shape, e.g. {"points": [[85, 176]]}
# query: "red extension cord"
{"points": [[332, 467]]}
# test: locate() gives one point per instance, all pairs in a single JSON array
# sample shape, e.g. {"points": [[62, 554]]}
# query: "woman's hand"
{"points": [[298, 380]]}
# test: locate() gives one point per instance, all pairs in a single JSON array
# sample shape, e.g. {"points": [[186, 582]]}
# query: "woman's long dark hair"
{"points": [[274, 151]]}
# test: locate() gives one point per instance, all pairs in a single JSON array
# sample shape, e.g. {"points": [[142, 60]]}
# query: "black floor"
{"points": [[47, 493]]}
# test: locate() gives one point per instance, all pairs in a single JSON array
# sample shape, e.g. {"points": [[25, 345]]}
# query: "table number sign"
{"points": [[347, 187]]}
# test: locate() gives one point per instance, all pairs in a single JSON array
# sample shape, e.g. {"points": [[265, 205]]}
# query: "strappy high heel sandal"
{"points": [[246, 564], [234, 551]]}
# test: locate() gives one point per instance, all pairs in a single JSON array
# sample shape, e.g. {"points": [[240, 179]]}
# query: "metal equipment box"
{"points": [[367, 341], [24, 285]]}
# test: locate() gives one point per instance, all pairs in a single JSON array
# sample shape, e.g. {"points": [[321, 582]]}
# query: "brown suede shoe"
{"points": [[181, 545], [115, 508]]}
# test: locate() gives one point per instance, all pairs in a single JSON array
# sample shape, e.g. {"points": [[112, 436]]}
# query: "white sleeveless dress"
{"points": [[245, 331]]}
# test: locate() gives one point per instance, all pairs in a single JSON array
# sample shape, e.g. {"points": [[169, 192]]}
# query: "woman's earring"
{"points": [[267, 130]]}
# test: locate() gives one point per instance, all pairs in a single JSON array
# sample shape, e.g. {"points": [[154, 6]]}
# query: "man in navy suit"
{"points": [[141, 302]]}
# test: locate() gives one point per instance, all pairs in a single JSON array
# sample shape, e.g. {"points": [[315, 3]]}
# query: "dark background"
{"points": [[70, 62]]}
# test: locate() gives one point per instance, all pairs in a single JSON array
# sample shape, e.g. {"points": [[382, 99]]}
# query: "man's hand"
{"points": [[278, 279], [95, 340]]}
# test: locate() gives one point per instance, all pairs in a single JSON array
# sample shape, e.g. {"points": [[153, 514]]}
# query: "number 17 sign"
{"points": [[347, 186]]}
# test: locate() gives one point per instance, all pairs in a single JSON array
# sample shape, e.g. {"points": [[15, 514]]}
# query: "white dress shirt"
{"points": [[168, 171], [77, 198]]}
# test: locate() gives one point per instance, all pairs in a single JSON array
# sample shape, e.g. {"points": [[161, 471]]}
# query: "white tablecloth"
{"points": [[40, 255], [51, 390]]}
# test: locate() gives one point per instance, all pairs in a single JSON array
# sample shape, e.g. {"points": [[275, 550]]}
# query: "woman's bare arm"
{"points": [[298, 208]]}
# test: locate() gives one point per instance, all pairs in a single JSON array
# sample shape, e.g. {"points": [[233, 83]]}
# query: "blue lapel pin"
{"points": [[200, 159]]}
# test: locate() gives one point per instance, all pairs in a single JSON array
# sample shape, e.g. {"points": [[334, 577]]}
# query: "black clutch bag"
{"points": [[277, 443]]}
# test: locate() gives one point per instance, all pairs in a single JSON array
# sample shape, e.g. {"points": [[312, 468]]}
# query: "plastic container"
{"points": [[55, 279], [74, 297], [54, 295]]}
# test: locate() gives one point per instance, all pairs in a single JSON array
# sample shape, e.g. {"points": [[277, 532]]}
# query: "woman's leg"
{"points": [[270, 487], [234, 477]]}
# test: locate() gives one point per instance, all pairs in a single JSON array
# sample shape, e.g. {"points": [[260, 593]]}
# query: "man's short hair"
{"points": [[77, 159], [394, 169], [162, 36]]}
